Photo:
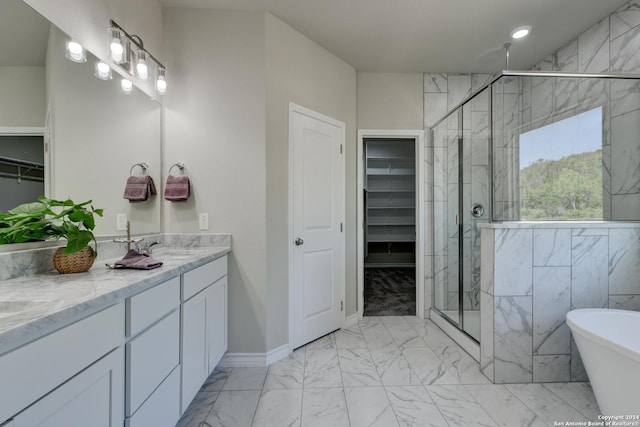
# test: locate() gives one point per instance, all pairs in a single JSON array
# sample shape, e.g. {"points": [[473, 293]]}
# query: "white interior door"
{"points": [[317, 232]]}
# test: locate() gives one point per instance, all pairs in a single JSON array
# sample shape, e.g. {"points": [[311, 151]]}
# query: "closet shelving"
{"points": [[390, 203]]}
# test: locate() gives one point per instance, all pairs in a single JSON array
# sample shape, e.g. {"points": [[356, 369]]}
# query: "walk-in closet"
{"points": [[390, 227]]}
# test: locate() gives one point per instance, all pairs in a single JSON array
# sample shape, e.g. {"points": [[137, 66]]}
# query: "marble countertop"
{"points": [[33, 306], [560, 224]]}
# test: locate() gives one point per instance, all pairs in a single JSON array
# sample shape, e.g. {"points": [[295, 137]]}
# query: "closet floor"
{"points": [[390, 291]]}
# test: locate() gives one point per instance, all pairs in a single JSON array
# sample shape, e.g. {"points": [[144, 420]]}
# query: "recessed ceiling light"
{"points": [[520, 32]]}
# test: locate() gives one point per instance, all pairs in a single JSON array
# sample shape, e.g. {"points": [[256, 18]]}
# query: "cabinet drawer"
{"points": [[33, 370], [149, 306], [196, 280], [163, 407], [150, 357]]}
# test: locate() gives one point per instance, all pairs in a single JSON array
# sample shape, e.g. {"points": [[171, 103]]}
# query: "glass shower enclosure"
{"points": [[544, 146]]}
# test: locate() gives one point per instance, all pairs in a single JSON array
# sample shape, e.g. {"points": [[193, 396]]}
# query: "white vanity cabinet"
{"points": [[71, 377], [152, 394], [204, 324]]}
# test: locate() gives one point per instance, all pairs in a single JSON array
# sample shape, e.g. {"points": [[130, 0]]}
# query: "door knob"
{"points": [[299, 242]]}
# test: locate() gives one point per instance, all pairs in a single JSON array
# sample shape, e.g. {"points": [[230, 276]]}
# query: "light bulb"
{"points": [[161, 82], [103, 71], [117, 50], [75, 51], [141, 66], [521, 32], [126, 85]]}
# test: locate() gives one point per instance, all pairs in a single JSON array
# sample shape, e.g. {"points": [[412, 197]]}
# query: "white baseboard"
{"points": [[351, 320], [250, 360]]}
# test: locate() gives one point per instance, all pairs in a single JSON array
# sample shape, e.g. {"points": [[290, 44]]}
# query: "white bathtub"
{"points": [[609, 344]]}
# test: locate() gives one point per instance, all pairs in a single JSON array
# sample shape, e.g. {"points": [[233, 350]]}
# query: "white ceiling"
{"points": [[430, 35]]}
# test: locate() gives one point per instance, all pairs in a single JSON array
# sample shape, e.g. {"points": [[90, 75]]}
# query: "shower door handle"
{"points": [[299, 242], [477, 210]]}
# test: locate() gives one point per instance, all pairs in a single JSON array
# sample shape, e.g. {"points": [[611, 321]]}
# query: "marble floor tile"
{"points": [[234, 409], [358, 369], [402, 332], [286, 373], [393, 368], [322, 369], [198, 410], [436, 385], [428, 367], [245, 379], [458, 407], [278, 408], [323, 407], [350, 337], [414, 407], [369, 407], [578, 395], [544, 403], [503, 406], [216, 380]]}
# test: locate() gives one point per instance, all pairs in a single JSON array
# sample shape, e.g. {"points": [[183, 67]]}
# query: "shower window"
{"points": [[561, 169]]}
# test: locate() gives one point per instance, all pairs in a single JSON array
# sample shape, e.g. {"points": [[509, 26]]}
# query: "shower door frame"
{"points": [[418, 135]]}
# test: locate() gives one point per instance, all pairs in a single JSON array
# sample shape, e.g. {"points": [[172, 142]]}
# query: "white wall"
{"points": [[25, 88], [390, 100], [215, 124], [299, 70]]}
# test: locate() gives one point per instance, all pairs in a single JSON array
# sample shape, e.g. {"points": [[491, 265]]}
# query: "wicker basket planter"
{"points": [[78, 262]]}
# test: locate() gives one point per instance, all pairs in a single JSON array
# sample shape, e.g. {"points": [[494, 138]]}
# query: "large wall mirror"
{"points": [[65, 133]]}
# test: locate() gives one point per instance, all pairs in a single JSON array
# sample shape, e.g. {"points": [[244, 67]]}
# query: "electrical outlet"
{"points": [[203, 221], [121, 222]]}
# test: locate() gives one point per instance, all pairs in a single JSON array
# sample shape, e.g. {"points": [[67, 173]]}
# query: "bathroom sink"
{"points": [[11, 307]]}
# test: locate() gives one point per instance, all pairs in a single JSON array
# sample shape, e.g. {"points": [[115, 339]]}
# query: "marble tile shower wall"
{"points": [[443, 92], [550, 271]]}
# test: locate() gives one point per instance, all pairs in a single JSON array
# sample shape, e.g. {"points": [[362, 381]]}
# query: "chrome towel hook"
{"points": [[178, 165], [143, 165]]}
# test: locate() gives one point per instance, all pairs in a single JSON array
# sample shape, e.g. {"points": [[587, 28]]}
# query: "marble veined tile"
{"points": [[624, 19], [393, 368], [459, 87], [551, 303], [486, 335], [552, 247], [513, 273], [625, 153], [589, 274], [428, 367], [327, 342], [435, 107], [542, 102], [350, 337], [513, 339], [198, 409], [462, 366], [567, 57], [322, 369], [278, 408], [458, 406], [593, 48], [565, 96], [551, 368], [246, 379], [357, 367], [624, 52], [369, 407], [216, 380], [322, 407], [234, 409], [377, 336], [414, 407], [503, 406], [625, 96], [403, 334], [624, 302], [624, 268], [435, 82], [579, 395], [286, 373], [544, 403]]}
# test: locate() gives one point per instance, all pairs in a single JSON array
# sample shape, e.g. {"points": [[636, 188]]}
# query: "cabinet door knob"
{"points": [[299, 242]]}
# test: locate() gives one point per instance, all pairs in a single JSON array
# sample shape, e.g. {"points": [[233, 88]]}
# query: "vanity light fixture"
{"points": [[103, 71], [127, 50], [75, 52], [126, 85], [520, 32]]}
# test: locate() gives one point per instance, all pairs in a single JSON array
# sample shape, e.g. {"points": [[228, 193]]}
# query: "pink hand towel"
{"points": [[139, 188], [177, 188]]}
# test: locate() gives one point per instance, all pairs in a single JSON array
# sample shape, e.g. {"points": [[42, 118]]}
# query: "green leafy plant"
{"points": [[51, 219]]}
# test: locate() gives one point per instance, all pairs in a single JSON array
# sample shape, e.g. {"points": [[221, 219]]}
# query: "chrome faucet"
{"points": [[144, 247], [128, 240]]}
